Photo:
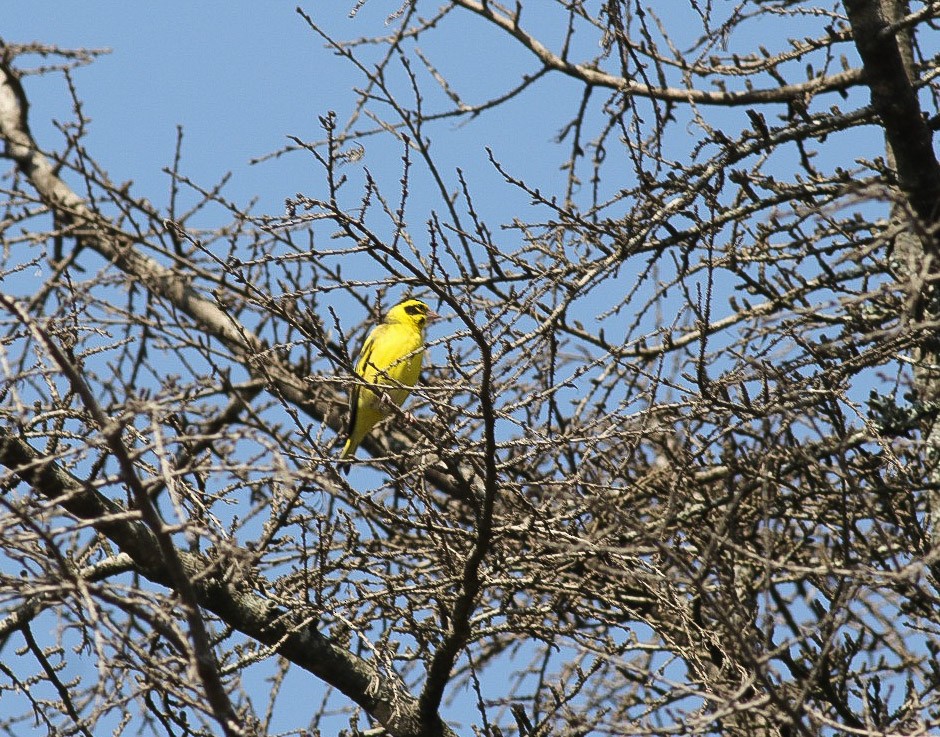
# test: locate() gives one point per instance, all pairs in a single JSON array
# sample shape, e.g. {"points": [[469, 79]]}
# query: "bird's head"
{"points": [[411, 312]]}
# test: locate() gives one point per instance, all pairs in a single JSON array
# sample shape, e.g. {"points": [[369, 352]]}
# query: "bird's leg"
{"points": [[385, 401]]}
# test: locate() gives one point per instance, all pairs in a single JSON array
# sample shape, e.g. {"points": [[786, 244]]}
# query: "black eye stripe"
{"points": [[416, 309]]}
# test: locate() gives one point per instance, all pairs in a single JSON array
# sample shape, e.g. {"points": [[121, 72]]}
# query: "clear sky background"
{"points": [[236, 76], [240, 77]]}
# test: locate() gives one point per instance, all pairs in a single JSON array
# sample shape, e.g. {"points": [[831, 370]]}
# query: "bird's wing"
{"points": [[362, 369], [367, 349]]}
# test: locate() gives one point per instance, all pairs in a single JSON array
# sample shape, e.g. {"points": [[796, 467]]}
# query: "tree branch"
{"points": [[629, 87], [895, 100], [300, 642]]}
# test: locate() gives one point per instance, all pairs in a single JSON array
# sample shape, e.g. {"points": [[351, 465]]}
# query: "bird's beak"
{"points": [[432, 316]]}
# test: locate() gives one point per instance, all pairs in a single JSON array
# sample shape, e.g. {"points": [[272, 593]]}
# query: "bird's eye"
{"points": [[418, 309]]}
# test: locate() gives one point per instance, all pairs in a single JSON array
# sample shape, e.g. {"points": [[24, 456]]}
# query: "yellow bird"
{"points": [[391, 360]]}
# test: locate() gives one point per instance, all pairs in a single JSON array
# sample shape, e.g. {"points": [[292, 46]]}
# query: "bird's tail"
{"points": [[349, 450]]}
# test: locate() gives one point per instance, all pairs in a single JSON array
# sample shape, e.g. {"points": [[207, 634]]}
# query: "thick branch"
{"points": [[118, 247], [894, 98], [381, 696], [594, 76], [203, 655]]}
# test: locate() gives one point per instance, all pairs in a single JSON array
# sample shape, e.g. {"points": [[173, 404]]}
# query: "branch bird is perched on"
{"points": [[390, 359]]}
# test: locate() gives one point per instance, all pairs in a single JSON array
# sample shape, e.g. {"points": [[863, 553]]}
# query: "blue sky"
{"points": [[239, 77]]}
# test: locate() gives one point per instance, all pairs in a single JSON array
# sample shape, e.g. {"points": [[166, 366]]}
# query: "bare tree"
{"points": [[674, 467]]}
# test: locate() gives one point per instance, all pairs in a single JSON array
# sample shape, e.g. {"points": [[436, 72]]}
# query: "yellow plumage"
{"points": [[390, 359]]}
